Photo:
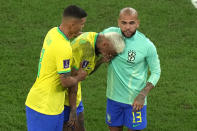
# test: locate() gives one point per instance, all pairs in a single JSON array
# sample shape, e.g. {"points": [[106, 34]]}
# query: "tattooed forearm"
{"points": [[147, 89], [72, 91]]}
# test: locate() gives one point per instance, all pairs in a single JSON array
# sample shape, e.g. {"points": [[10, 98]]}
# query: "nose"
{"points": [[127, 26]]}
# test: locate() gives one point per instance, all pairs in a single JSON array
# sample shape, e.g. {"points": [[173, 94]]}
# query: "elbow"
{"points": [[156, 72], [157, 75]]}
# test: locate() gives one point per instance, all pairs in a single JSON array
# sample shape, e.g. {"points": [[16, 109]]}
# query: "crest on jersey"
{"points": [[85, 64], [66, 63], [131, 56]]}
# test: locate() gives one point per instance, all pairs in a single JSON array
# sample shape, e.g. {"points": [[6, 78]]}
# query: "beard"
{"points": [[128, 34]]}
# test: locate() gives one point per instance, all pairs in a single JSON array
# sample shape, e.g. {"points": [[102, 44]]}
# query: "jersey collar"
{"points": [[95, 47], [58, 29]]}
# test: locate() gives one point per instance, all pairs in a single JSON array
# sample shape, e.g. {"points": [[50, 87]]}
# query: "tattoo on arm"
{"points": [[147, 89], [73, 91]]}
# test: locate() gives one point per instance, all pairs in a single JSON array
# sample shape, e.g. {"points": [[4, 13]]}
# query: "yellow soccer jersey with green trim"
{"points": [[47, 95], [83, 48]]}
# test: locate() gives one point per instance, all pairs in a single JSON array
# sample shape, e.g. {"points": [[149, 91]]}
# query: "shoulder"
{"points": [[55, 43], [53, 31], [88, 35], [84, 38], [61, 46], [58, 38], [111, 29], [145, 40]]}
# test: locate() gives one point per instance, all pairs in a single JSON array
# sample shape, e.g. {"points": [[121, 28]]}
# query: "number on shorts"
{"points": [[137, 118]]}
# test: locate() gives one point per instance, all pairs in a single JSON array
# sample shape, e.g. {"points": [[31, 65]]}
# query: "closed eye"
{"points": [[123, 22], [132, 22]]}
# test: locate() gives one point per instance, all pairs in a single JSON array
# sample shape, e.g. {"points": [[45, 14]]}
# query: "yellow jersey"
{"points": [[83, 48], [47, 95]]}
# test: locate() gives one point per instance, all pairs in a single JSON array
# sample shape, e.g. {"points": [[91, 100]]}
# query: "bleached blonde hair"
{"points": [[117, 41], [128, 11]]}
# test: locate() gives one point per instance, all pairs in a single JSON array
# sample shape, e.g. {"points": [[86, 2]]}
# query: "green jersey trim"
{"points": [[75, 68], [95, 39], [63, 72], [58, 29]]}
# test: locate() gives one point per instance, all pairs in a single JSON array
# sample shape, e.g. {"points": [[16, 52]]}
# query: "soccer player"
{"points": [[87, 48], [127, 83], [45, 101]]}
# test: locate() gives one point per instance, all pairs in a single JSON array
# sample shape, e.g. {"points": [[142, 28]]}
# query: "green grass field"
{"points": [[170, 24]]}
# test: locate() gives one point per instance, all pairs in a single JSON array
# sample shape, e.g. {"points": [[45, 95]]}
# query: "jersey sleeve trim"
{"points": [[63, 72], [75, 68]]}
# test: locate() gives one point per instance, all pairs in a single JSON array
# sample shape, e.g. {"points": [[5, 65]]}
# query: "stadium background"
{"points": [[170, 24]]}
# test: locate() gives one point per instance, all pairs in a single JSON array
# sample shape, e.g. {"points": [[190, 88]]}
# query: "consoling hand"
{"points": [[81, 73], [72, 122], [138, 102]]}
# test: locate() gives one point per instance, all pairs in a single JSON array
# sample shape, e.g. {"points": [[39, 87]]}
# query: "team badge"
{"points": [[85, 64], [66, 63], [131, 56]]}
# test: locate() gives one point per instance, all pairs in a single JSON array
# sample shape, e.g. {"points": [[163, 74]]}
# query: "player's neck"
{"points": [[66, 31]]}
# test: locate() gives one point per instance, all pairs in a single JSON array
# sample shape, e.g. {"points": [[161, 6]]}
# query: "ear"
{"points": [[118, 22], [138, 23], [104, 44]]}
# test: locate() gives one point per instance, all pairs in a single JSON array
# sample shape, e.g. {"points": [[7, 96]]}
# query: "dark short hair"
{"points": [[74, 11]]}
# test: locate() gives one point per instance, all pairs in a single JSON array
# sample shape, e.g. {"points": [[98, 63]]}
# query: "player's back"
{"points": [[83, 48]]}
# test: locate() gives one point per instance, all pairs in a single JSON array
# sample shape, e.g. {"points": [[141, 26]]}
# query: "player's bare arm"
{"points": [[75, 123], [72, 94], [140, 99], [69, 81], [72, 123]]}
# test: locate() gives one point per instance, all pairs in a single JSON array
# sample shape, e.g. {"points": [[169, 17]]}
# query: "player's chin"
{"points": [[128, 34]]}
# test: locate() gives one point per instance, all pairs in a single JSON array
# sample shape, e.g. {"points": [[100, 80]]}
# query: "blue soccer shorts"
{"points": [[120, 114], [40, 122], [80, 109]]}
